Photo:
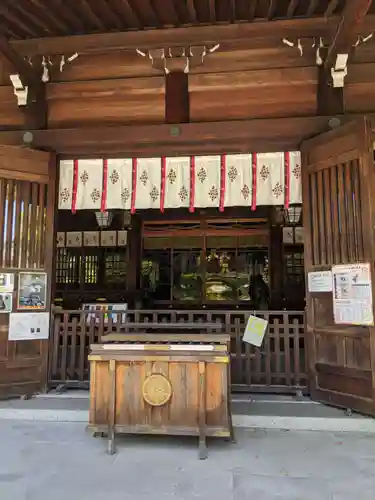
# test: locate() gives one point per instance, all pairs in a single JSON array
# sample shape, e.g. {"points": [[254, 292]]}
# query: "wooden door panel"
{"points": [[338, 182], [27, 204]]}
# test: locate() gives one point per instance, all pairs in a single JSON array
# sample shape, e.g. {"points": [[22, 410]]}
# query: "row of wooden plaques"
{"points": [[92, 239]]}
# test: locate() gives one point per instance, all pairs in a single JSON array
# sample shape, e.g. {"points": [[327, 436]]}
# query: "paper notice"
{"points": [[255, 330], [352, 294], [320, 281]]}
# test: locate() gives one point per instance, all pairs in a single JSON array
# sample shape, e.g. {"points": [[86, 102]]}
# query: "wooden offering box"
{"points": [[161, 384]]}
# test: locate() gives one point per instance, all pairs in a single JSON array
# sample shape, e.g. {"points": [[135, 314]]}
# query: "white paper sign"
{"points": [[6, 282], [352, 294], [255, 330], [29, 326], [320, 281]]}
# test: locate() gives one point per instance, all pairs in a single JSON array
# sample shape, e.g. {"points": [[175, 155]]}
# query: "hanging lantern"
{"points": [[103, 219], [292, 215]]}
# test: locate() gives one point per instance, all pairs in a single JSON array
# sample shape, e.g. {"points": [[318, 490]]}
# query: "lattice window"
{"points": [[91, 269], [294, 268], [68, 264], [115, 268]]}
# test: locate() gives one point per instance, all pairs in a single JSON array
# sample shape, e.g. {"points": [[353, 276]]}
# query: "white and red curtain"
{"points": [[216, 181]]}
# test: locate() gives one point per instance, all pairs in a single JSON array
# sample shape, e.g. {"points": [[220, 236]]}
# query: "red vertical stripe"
{"points": [[287, 178], [75, 186], [134, 185], [162, 183], [223, 173], [254, 159], [105, 186], [192, 184]]}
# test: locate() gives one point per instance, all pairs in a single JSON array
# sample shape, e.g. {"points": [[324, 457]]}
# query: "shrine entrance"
{"points": [[337, 181]]}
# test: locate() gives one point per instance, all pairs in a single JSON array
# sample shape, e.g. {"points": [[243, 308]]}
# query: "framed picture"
{"points": [[91, 239], [122, 238], [74, 239], [60, 239], [108, 238], [32, 291], [6, 282], [6, 302]]}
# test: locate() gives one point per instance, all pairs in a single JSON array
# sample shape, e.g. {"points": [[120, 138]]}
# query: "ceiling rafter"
{"points": [[333, 4], [65, 12], [37, 20], [192, 11], [293, 4], [126, 11], [312, 7], [271, 9], [16, 20], [147, 10], [252, 9], [212, 11], [232, 10], [57, 21], [11, 29], [90, 14], [105, 11], [166, 12]]}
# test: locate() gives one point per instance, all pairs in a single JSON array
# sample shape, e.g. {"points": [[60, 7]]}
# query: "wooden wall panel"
{"points": [[10, 115], [105, 67], [253, 94], [360, 89], [131, 65], [125, 101]]}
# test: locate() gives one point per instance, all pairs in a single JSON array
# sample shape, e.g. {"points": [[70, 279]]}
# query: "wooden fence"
{"points": [[279, 366]]}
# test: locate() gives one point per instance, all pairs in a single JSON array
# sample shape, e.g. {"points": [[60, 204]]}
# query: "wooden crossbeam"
{"points": [[262, 135], [352, 18], [177, 37]]}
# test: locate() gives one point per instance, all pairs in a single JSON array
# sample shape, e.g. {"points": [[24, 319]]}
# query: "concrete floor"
{"points": [[60, 461]]}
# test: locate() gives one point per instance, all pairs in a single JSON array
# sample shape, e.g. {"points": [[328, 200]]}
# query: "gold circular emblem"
{"points": [[157, 390]]}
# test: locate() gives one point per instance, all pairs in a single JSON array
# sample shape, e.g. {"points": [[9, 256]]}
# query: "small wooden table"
{"points": [[172, 384]]}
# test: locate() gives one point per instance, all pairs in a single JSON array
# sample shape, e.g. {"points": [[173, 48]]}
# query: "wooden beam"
{"points": [[177, 37], [177, 109], [260, 135], [330, 99], [351, 21], [35, 111]]}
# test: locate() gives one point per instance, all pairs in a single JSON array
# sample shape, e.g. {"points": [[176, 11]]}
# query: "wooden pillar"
{"points": [[276, 266], [135, 254], [177, 97], [330, 100]]}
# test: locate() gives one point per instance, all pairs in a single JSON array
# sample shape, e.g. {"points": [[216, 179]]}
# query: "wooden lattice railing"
{"points": [[280, 365]]}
